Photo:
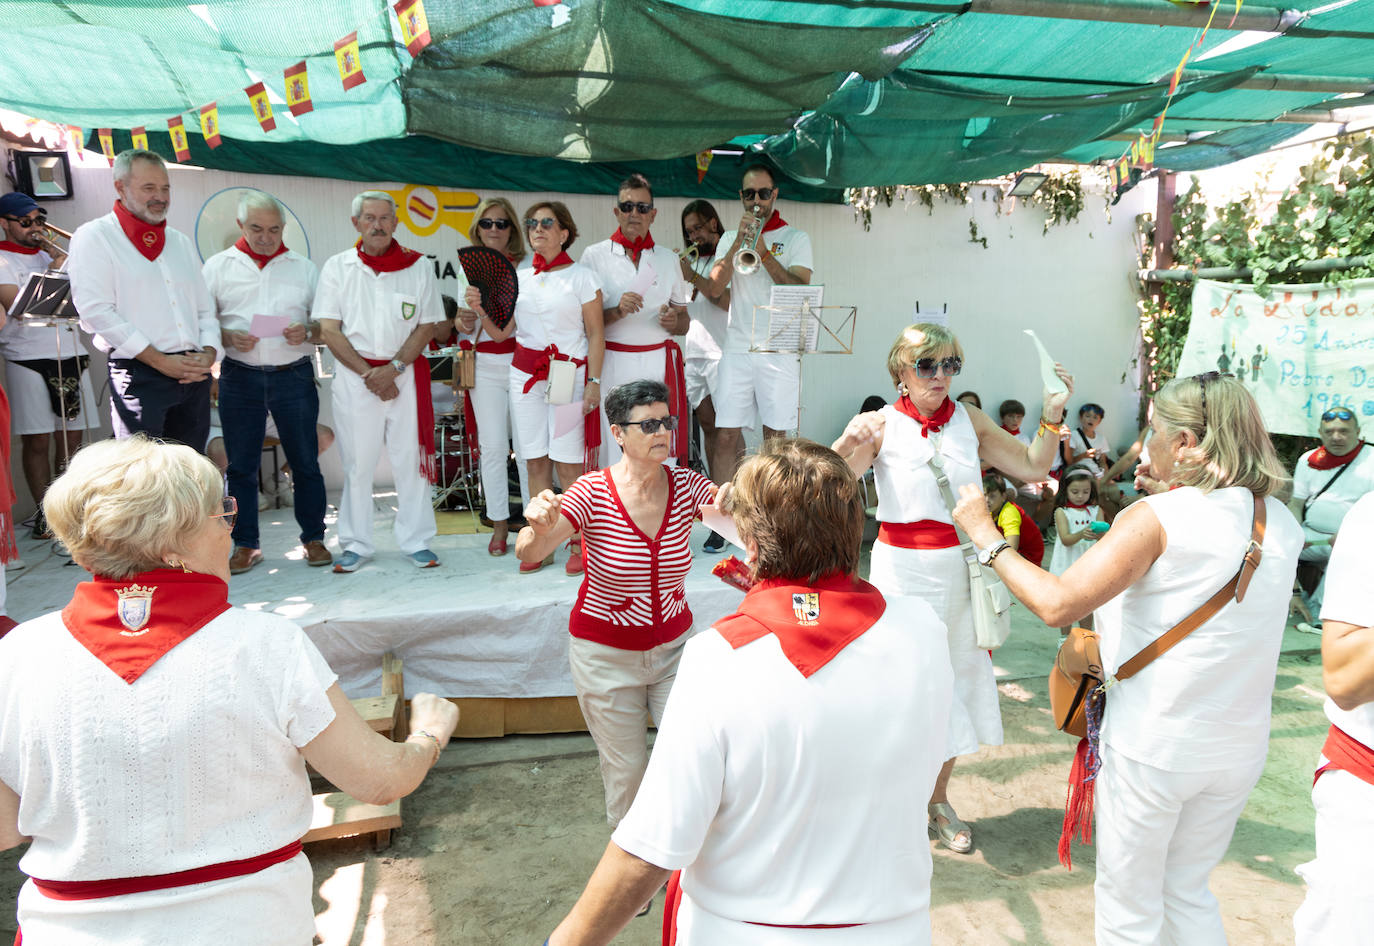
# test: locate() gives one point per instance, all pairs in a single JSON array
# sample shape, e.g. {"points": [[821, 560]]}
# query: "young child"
{"points": [[1017, 528], [1075, 510]]}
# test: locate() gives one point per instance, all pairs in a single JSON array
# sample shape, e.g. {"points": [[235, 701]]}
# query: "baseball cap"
{"points": [[17, 204]]}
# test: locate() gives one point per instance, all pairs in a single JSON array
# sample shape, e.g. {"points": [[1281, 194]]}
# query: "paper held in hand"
{"points": [[717, 521], [1053, 383]]}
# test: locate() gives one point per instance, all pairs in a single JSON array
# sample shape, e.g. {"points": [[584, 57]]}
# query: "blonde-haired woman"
{"points": [[495, 227], [1183, 741], [917, 552], [153, 739]]}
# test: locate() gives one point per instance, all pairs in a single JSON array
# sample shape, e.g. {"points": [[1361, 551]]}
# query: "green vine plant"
{"points": [[1060, 197]]}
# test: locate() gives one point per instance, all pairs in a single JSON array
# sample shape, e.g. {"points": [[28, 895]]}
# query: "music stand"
{"points": [[797, 326], [46, 301]]}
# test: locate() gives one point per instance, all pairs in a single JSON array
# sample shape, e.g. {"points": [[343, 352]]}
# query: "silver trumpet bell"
{"points": [[747, 258]]}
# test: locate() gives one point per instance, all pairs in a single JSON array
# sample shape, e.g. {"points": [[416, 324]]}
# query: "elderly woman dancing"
{"points": [[153, 739], [917, 551], [1183, 740]]}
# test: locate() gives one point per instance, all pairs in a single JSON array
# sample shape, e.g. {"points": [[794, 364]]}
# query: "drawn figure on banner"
{"points": [[1256, 361], [1224, 360]]}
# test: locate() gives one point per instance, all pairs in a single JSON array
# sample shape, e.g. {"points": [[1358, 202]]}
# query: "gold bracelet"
{"points": [[1057, 429]]}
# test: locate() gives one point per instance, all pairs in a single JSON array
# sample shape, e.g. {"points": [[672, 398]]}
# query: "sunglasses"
{"points": [[925, 367], [542, 223], [1339, 413], [29, 222], [652, 425], [627, 205], [762, 193], [229, 510], [486, 223]]}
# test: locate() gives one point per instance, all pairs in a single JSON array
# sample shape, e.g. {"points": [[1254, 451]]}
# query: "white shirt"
{"points": [[792, 247], [1204, 704], [760, 791], [706, 335], [1098, 442], [21, 341], [1323, 517], [615, 271], [1349, 598], [549, 310], [907, 491], [129, 302], [285, 286], [378, 310]]}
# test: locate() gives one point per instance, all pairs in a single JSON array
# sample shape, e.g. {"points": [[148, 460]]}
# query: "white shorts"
{"points": [[753, 387], [31, 409], [701, 379], [537, 428]]}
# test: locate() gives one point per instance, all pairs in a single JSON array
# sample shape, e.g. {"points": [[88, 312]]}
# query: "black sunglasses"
{"points": [[30, 222], [652, 425], [1339, 413], [627, 205], [762, 193], [543, 223], [486, 223], [925, 367]]}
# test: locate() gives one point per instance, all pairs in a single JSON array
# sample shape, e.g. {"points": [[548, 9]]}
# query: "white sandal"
{"points": [[953, 833]]}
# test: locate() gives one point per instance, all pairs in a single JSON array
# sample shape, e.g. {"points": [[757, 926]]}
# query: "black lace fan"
{"points": [[493, 276]]}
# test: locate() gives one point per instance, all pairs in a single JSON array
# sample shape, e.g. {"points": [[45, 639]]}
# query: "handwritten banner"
{"points": [[1301, 351]]}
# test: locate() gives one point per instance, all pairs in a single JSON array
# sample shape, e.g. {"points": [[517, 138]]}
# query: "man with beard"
{"points": [[137, 284]]}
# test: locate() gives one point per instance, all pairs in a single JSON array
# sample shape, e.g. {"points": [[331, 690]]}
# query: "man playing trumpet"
{"points": [[47, 367]]}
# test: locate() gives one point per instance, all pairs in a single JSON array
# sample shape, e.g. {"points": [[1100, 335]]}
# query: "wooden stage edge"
{"points": [[485, 718]]}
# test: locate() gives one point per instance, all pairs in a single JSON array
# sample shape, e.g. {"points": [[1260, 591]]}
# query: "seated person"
{"points": [[1017, 528], [1087, 446], [1327, 481]]}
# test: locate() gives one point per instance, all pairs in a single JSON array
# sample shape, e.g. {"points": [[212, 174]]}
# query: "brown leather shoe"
{"points": [[317, 554], [243, 559]]}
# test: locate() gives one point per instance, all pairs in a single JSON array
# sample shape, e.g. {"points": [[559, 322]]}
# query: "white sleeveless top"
{"points": [[907, 491], [1349, 599]]}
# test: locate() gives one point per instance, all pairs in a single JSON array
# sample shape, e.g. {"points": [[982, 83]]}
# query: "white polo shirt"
{"points": [[792, 247], [20, 341], [129, 302], [616, 272], [285, 286], [378, 310], [706, 336], [1323, 517], [1349, 598]]}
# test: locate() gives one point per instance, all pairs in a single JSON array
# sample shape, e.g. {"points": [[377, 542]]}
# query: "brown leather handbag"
{"points": [[1078, 669]]}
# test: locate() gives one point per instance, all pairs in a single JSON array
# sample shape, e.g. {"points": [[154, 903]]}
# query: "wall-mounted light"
{"points": [[1026, 183], [44, 175]]}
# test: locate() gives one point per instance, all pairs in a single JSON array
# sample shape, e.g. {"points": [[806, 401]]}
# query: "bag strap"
{"points": [[1236, 588], [1307, 503], [942, 480]]}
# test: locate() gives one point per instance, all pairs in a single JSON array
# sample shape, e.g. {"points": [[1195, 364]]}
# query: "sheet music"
{"points": [[786, 320]]}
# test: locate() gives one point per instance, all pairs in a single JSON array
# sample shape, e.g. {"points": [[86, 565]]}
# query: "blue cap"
{"points": [[16, 204]]}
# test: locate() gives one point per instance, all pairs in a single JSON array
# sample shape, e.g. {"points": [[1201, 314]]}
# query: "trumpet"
{"points": [[50, 233], [689, 255], [747, 258]]}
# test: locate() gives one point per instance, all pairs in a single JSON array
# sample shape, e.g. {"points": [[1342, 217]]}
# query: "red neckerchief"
{"points": [[812, 622], [391, 260], [243, 247], [1321, 460], [1076, 505], [934, 422], [633, 247], [147, 238], [8, 247], [129, 625], [1014, 431], [540, 266], [775, 222]]}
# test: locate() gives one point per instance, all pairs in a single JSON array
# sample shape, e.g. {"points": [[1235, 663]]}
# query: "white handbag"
{"points": [[991, 599]]}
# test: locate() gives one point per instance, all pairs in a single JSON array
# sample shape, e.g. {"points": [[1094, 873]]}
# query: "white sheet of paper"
{"points": [[268, 326], [645, 277], [566, 417], [785, 321], [1053, 383], [938, 316], [717, 521]]}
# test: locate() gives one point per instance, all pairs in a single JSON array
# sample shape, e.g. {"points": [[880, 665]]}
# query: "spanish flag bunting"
{"points": [[1147, 151], [350, 65], [262, 109], [703, 162], [178, 132], [209, 124], [140, 137], [414, 25], [78, 138], [1135, 151], [298, 89], [107, 144]]}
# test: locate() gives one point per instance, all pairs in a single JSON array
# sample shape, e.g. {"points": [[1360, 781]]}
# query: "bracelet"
{"points": [[428, 735], [593, 381], [1058, 430]]}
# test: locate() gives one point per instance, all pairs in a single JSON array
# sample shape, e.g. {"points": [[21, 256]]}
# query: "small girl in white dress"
{"points": [[1075, 510]]}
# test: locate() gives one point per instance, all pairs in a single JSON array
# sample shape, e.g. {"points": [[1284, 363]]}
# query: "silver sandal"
{"points": [[953, 833]]}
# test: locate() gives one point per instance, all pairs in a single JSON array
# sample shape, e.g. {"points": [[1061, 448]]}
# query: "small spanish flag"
{"points": [[414, 25], [106, 144], [77, 137], [1147, 150], [350, 65], [209, 124], [140, 137], [178, 132], [703, 162], [298, 89], [262, 109], [1135, 151]]}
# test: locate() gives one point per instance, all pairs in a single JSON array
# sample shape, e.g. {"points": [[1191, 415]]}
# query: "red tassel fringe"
{"points": [[1078, 806]]}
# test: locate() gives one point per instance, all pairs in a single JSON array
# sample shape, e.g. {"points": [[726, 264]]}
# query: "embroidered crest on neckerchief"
{"points": [[135, 608], [807, 607]]}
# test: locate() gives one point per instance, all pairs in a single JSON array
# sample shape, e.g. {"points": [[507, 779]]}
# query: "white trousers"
{"points": [[364, 422], [1339, 908], [618, 691], [1159, 834], [491, 405]]}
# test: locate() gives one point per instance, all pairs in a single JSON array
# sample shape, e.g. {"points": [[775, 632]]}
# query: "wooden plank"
{"points": [[379, 712], [483, 718], [341, 816], [393, 682]]}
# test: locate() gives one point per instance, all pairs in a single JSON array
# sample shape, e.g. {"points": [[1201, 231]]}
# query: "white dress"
{"points": [[1065, 555]]}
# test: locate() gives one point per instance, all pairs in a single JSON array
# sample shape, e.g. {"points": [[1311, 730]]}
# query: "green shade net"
{"points": [[1335, 55]]}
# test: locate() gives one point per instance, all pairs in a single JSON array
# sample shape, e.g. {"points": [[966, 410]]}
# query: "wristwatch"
{"points": [[399, 365], [987, 555]]}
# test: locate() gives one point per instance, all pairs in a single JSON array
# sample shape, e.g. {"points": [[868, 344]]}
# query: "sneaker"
{"points": [[348, 562], [40, 527], [317, 554], [243, 559], [60, 549], [575, 565], [424, 559], [715, 542]]}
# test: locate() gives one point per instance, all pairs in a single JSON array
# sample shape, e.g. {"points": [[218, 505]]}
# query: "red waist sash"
{"points": [[924, 534], [535, 362], [672, 902], [675, 376], [497, 348], [1345, 753], [97, 889]]}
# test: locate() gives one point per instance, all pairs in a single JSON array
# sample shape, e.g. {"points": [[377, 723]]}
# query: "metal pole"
{"points": [[1146, 12], [1334, 265]]}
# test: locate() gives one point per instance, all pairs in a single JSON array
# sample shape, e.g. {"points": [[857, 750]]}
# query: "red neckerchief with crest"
{"points": [[129, 625], [147, 238], [1322, 460], [812, 622]]}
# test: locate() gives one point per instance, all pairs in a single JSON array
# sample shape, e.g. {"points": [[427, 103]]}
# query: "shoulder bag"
{"points": [[991, 599]]}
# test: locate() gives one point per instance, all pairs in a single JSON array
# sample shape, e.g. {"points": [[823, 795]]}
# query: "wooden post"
{"points": [[393, 682]]}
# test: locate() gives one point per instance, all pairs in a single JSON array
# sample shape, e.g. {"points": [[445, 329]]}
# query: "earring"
{"points": [[177, 563], [901, 388]]}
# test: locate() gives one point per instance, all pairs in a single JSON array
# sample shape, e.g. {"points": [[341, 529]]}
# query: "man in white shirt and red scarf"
{"points": [[137, 284], [378, 306], [798, 733], [258, 276], [1327, 481], [639, 317]]}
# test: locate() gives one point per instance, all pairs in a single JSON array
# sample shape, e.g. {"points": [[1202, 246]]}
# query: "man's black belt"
{"points": [[239, 364]]}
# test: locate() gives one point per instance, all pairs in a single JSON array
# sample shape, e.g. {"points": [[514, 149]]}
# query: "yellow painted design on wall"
{"points": [[424, 210]]}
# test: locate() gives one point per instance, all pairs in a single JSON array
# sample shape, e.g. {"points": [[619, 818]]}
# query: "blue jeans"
{"points": [[246, 395]]}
